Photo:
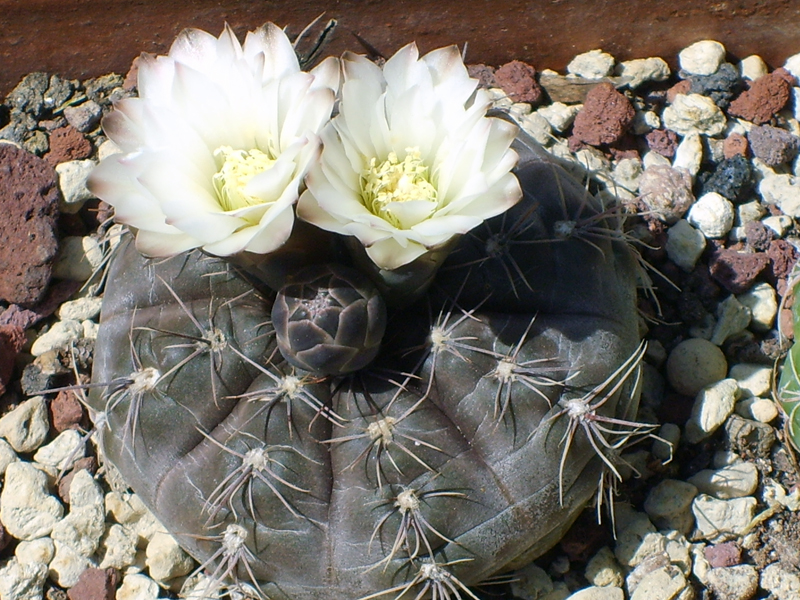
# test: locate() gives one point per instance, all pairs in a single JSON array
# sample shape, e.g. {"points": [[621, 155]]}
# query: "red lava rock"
{"points": [[132, 77], [484, 74], [736, 271], [56, 294], [29, 207], [786, 323], [95, 584], [65, 411], [625, 147], [782, 257], [663, 142], [67, 143], [682, 87], [734, 144], [12, 338], [766, 96], [728, 554], [89, 463], [605, 116], [758, 235], [518, 80]]}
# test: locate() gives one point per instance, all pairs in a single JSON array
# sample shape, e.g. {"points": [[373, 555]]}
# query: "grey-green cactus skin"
{"points": [[465, 406]]}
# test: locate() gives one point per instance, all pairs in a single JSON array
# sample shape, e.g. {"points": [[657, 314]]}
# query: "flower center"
{"points": [[387, 186], [236, 169]]}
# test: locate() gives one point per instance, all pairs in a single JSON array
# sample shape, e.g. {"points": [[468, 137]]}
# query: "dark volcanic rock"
{"points": [[28, 242], [732, 179], [721, 86]]}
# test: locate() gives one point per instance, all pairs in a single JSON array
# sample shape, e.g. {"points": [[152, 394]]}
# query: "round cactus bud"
{"points": [[329, 320]]}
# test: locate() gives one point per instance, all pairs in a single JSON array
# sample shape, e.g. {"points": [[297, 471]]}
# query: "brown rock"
{"points": [[132, 76], [66, 412], [12, 338], [605, 116], [663, 142], [773, 145], [736, 271], [88, 463], [518, 80], [666, 192], [55, 296], [734, 144], [28, 243], [786, 323], [766, 96], [682, 87], [782, 257], [95, 584], [67, 143], [483, 73], [728, 554], [758, 235]]}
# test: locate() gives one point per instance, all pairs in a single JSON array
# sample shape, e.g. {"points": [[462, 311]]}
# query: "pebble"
{"points": [[77, 258], [662, 141], [84, 117], [783, 256], [689, 154], [782, 583], [732, 319], [664, 450], [637, 539], [68, 446], [538, 127], [773, 145], [684, 245], [762, 410], [12, 340], [95, 584], [604, 570], [26, 427], [72, 182], [39, 550], [753, 379], [735, 145], [27, 510], [559, 115], [594, 64], [84, 525], [693, 113], [694, 364], [518, 81], [66, 144], [60, 335], [732, 178], [766, 96], [20, 581], [604, 117], [118, 547], [107, 149], [166, 559], [736, 271], [67, 565], [598, 593], [733, 583], [721, 86], [712, 215], [666, 192], [702, 58], [749, 211], [80, 309], [779, 224], [711, 408], [752, 67], [733, 481], [666, 583], [28, 239], [719, 520], [137, 587], [7, 456], [668, 505], [642, 70], [66, 412], [627, 173], [727, 554]]}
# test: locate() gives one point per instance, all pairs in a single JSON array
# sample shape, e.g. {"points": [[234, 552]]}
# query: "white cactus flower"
{"points": [[411, 160], [216, 146]]}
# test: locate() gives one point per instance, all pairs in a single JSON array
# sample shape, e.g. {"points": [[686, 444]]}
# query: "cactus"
{"points": [[293, 445], [788, 389]]}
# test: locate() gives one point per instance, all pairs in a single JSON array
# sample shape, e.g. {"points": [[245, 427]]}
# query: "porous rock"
{"points": [[773, 145], [766, 96], [727, 554], [66, 144], [26, 426], [736, 271], [27, 509], [662, 141], [666, 192], [28, 242], [721, 85], [518, 80], [95, 584], [605, 116], [732, 178]]}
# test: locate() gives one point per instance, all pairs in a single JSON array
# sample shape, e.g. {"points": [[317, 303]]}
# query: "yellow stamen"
{"points": [[236, 169]]}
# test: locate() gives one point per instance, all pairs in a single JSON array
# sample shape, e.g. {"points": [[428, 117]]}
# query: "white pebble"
{"points": [[26, 427], [792, 65], [684, 245], [627, 173], [712, 214], [782, 191], [749, 211], [668, 504], [637, 539], [27, 509], [68, 447], [782, 583], [118, 547], [753, 379], [80, 309], [644, 121], [702, 58], [762, 301], [77, 258], [67, 565], [90, 330], [72, 182], [752, 67], [665, 583], [7, 456], [83, 527], [720, 520], [693, 113], [712, 407], [22, 581], [694, 364], [137, 587], [60, 335], [732, 318], [604, 570], [531, 582], [654, 159], [594, 64], [559, 115], [779, 224], [734, 481], [538, 127], [689, 154], [166, 559], [598, 593], [762, 410], [641, 70], [39, 550], [733, 583], [107, 148]]}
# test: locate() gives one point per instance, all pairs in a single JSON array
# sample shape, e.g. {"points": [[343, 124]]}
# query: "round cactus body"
{"points": [[460, 442]]}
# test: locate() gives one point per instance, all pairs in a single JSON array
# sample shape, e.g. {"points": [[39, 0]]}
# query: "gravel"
{"points": [[705, 156]]}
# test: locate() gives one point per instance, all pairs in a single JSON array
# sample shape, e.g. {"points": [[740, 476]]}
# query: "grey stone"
{"points": [[712, 406], [84, 117], [721, 520], [668, 505], [733, 481], [733, 583], [695, 364]]}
